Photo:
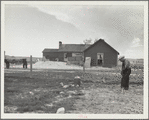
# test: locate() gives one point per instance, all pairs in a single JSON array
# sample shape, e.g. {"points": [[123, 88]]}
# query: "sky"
{"points": [[30, 28]]}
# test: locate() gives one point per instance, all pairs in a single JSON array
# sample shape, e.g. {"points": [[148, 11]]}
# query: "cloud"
{"points": [[136, 43], [135, 50], [60, 12], [58, 15]]}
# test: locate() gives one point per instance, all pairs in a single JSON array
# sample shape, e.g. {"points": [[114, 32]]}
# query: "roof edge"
{"points": [[99, 41]]}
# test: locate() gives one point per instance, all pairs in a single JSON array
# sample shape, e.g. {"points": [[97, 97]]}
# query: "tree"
{"points": [[87, 41]]}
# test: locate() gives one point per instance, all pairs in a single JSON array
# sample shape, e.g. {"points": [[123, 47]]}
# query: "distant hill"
{"points": [[136, 60]]}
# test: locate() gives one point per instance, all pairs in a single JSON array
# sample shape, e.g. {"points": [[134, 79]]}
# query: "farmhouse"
{"points": [[100, 53]]}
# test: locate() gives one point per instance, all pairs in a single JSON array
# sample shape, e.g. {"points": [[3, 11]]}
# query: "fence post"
{"points": [[31, 66], [83, 66], [83, 58]]}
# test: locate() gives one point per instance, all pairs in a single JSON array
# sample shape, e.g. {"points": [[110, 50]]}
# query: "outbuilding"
{"points": [[100, 53]]}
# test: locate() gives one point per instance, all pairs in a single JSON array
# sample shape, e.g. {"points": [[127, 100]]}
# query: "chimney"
{"points": [[60, 44]]}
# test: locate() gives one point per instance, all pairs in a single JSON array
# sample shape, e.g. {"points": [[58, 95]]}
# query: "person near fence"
{"points": [[24, 63], [126, 71], [7, 63]]}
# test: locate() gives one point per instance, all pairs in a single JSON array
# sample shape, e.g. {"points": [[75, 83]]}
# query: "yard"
{"points": [[42, 93]]}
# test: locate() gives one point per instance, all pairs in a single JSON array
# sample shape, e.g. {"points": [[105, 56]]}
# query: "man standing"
{"points": [[126, 71]]}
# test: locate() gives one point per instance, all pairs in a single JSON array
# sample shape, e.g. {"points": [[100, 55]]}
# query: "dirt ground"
{"points": [[41, 92]]}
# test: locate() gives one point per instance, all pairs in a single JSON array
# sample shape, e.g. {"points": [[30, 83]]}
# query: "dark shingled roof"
{"points": [[76, 47], [50, 50], [101, 40], [73, 47]]}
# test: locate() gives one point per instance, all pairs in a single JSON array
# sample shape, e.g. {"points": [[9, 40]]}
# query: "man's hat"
{"points": [[121, 57]]}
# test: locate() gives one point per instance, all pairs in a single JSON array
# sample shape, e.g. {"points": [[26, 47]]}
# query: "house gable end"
{"points": [[100, 40]]}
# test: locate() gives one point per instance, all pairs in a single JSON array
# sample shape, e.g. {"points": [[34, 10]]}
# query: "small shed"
{"points": [[102, 54]]}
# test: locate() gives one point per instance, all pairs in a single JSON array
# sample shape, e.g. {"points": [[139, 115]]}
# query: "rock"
{"points": [[77, 77], [71, 92], [66, 86], [61, 92], [31, 93], [49, 105], [61, 110], [61, 84], [103, 80], [72, 85], [69, 96]]}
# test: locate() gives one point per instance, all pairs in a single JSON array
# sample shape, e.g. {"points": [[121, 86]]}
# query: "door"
{"points": [[87, 62], [100, 59]]}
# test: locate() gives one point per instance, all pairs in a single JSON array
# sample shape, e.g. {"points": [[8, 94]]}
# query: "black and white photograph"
{"points": [[74, 59]]}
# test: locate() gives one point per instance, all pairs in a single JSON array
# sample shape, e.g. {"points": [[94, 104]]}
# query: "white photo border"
{"points": [[75, 116]]}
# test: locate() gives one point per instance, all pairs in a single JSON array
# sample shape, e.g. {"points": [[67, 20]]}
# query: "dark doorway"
{"points": [[99, 59]]}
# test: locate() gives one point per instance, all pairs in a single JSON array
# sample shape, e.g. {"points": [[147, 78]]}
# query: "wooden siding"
{"points": [[110, 55], [53, 55]]}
